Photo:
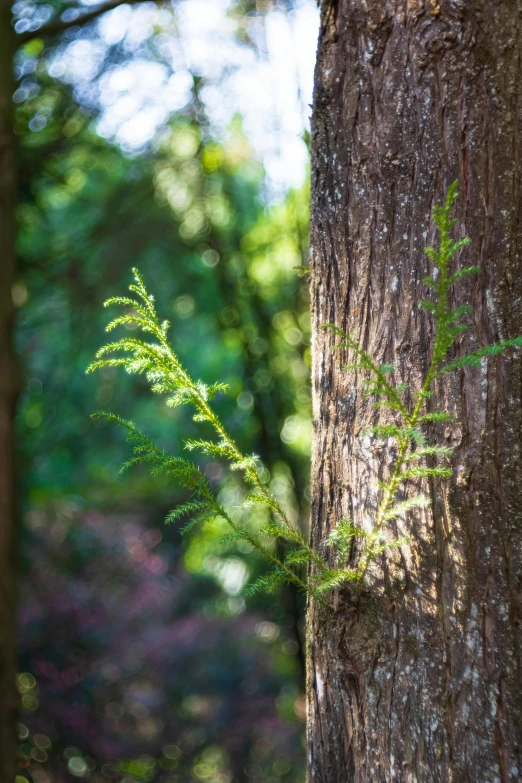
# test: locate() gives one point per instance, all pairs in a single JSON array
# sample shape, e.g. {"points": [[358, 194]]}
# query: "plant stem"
{"points": [[437, 356]]}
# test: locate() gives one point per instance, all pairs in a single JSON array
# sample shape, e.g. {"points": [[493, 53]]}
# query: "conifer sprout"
{"points": [[409, 406], [157, 360], [162, 368]]}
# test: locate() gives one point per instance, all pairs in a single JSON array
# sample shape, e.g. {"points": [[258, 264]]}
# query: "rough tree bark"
{"points": [[8, 390], [419, 678]]}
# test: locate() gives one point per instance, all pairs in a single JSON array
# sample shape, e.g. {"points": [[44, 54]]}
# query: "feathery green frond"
{"points": [[430, 451], [237, 535], [351, 548], [186, 508], [425, 304], [297, 557], [468, 270], [436, 416], [158, 361], [269, 583], [423, 472], [335, 578], [401, 509], [399, 433], [189, 526], [475, 359], [342, 536], [412, 442]]}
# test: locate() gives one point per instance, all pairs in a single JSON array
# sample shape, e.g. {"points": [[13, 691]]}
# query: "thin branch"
{"points": [[59, 25]]}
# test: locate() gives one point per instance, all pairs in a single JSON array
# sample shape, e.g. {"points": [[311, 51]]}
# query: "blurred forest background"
{"points": [[171, 138]]}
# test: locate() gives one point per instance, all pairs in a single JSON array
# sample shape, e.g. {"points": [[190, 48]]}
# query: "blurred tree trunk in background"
{"points": [[420, 678], [8, 391]]}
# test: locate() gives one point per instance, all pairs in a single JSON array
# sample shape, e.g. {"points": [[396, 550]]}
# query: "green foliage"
{"points": [[165, 374], [162, 367], [409, 405]]}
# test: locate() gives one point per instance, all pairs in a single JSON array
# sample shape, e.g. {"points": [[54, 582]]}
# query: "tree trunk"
{"points": [[418, 678], [8, 389]]}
